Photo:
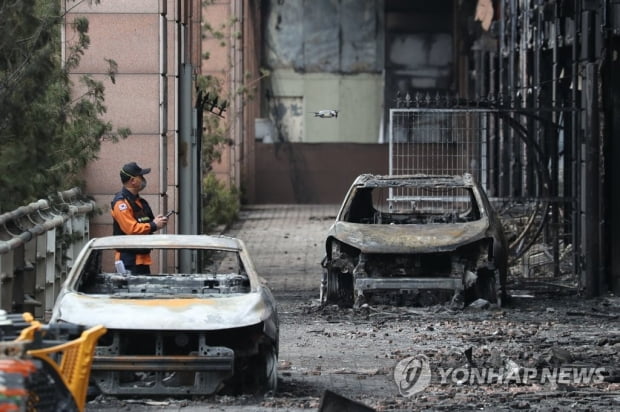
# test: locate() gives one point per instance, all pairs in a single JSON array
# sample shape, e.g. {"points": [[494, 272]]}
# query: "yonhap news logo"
{"points": [[413, 375]]}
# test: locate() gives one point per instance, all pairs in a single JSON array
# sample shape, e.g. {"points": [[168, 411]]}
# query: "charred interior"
{"points": [[399, 204], [177, 285], [223, 273]]}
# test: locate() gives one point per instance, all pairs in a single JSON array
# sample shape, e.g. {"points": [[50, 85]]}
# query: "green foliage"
{"points": [[214, 135], [47, 135], [221, 204]]}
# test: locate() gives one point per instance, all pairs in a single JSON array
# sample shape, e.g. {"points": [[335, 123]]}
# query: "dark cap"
{"points": [[132, 170]]}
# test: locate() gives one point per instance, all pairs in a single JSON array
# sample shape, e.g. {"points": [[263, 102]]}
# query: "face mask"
{"points": [[143, 184]]}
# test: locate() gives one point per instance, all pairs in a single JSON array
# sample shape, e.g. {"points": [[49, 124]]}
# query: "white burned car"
{"points": [[203, 322], [414, 240]]}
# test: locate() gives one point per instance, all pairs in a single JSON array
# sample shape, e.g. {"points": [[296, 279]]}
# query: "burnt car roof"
{"points": [[168, 241], [370, 180]]}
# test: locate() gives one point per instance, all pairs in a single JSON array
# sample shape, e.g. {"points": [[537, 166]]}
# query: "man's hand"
{"points": [[161, 221]]}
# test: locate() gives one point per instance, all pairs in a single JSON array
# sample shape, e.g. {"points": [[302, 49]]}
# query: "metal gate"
{"points": [[439, 141], [494, 146]]}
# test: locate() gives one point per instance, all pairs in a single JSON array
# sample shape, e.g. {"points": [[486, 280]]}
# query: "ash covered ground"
{"points": [[476, 358]]}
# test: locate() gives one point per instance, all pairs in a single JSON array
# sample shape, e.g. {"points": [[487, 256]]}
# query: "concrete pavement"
{"points": [[286, 243]]}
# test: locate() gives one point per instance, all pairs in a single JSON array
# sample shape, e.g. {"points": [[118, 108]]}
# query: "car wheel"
{"points": [[257, 375], [339, 287], [487, 287], [268, 381], [499, 292]]}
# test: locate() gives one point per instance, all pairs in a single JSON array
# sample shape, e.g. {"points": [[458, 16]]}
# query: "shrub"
{"points": [[220, 203]]}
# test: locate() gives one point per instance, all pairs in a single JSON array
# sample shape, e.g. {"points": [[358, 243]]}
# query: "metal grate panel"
{"points": [[439, 141]]}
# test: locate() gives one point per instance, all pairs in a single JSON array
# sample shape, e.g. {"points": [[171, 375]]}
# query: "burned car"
{"points": [[414, 240], [202, 322]]}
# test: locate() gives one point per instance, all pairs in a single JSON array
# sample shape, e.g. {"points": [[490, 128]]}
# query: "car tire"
{"points": [[339, 287], [487, 287], [257, 375], [268, 364]]}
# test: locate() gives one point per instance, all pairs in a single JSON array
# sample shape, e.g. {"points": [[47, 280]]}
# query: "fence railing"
{"points": [[38, 245], [439, 141], [427, 137]]}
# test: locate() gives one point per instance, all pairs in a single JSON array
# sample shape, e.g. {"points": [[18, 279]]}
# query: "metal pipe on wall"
{"points": [[237, 82], [187, 137], [591, 176], [503, 181], [575, 147], [555, 189], [602, 258], [593, 258], [493, 128], [187, 198], [163, 105], [513, 142], [536, 95], [177, 88], [526, 75], [163, 116]]}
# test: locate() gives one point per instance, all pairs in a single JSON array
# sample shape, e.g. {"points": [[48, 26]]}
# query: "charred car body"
{"points": [[202, 323], [414, 240]]}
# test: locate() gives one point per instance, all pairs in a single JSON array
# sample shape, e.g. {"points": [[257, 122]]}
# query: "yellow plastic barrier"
{"points": [[75, 361]]}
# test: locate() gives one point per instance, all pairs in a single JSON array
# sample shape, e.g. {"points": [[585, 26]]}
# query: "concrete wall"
{"points": [[219, 65], [313, 173], [324, 55], [294, 97]]}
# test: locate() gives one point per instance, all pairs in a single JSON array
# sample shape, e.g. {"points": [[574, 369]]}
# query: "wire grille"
{"points": [[426, 200], [438, 141]]}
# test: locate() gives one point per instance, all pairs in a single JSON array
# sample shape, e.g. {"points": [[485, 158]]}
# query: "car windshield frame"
{"points": [[228, 272], [412, 199]]}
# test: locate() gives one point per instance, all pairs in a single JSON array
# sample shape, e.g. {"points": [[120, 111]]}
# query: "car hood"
{"points": [[432, 237], [163, 314]]}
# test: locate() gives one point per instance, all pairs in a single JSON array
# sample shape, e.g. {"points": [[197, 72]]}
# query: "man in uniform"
{"points": [[133, 216]]}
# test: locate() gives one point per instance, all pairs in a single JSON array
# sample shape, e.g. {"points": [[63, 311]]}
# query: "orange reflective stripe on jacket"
{"points": [[124, 216]]}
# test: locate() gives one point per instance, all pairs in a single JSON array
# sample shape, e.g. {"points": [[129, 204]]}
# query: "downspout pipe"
{"points": [[188, 202], [188, 155], [237, 82], [163, 105]]}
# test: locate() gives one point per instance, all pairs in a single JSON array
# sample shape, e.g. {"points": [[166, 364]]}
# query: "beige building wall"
{"points": [[217, 15], [234, 59], [143, 38], [358, 99]]}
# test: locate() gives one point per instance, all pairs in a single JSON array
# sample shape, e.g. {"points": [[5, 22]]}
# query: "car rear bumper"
{"points": [[399, 283], [164, 375]]}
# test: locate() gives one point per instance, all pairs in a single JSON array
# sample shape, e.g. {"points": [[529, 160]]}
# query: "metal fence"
{"points": [[438, 141], [426, 139], [38, 245]]}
